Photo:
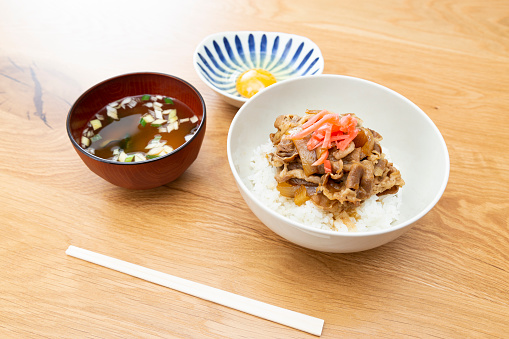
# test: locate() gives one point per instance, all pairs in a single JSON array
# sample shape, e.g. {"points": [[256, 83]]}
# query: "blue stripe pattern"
{"points": [[223, 59]]}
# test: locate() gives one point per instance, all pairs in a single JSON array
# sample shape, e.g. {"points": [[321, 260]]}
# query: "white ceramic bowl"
{"points": [[220, 58], [415, 144]]}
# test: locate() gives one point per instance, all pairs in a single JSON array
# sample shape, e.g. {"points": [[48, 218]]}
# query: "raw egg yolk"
{"points": [[254, 80]]}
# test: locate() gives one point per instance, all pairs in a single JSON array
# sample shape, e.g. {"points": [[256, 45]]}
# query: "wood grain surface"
{"points": [[446, 278]]}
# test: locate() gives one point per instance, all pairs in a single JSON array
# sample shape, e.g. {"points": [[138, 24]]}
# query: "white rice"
{"points": [[376, 213]]}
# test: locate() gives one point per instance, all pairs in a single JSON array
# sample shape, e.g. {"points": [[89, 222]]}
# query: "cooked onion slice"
{"points": [[300, 195], [286, 189]]}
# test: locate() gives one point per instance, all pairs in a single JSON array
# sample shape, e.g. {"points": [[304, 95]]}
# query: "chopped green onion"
{"points": [[129, 158], [157, 137], [96, 137], [143, 122], [152, 156], [126, 142], [145, 97], [168, 100]]}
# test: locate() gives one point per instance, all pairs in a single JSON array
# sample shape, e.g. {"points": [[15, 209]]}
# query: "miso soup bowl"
{"points": [[144, 174], [414, 142]]}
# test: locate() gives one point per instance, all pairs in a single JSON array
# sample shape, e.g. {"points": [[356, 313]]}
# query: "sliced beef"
{"points": [[336, 166], [285, 175], [324, 203], [377, 148], [294, 165], [354, 156], [380, 167], [298, 182], [357, 173], [307, 157], [354, 176], [377, 135], [283, 123], [339, 154], [367, 181], [286, 150], [392, 190]]}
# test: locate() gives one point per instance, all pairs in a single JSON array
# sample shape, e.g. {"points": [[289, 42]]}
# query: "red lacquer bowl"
{"points": [[150, 173]]}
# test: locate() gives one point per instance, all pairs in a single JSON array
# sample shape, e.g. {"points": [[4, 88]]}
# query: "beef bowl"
{"points": [[138, 130], [336, 163]]}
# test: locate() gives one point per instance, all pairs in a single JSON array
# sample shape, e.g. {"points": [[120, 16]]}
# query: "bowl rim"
{"points": [[94, 157], [305, 227], [228, 33]]}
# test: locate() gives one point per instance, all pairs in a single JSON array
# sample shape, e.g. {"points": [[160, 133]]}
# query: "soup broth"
{"points": [[139, 128]]}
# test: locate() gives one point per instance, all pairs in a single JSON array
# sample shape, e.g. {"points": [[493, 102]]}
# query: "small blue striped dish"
{"points": [[220, 58]]}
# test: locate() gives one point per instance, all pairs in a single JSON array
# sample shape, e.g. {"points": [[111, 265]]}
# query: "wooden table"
{"points": [[447, 277]]}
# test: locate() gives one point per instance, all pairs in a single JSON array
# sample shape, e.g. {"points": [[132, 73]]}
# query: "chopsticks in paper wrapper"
{"points": [[260, 309]]}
